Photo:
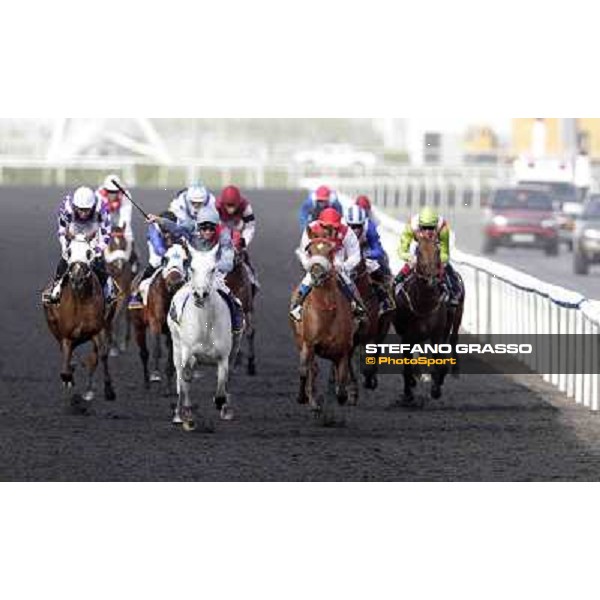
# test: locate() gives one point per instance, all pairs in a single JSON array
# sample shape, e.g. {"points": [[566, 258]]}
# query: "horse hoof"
{"points": [[220, 403], [177, 420], [342, 399], [88, 396], [189, 425], [122, 348], [155, 377], [371, 383], [113, 352], [436, 392], [109, 394], [227, 413], [251, 369]]}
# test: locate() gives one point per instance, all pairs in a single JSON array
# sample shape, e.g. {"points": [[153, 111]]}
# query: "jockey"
{"points": [[347, 258], [188, 202], [206, 233], [429, 221], [236, 213], [375, 256], [82, 213], [364, 203], [159, 242], [316, 203], [119, 208]]}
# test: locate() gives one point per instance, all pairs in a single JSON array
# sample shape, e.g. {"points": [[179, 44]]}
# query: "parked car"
{"points": [[522, 216], [337, 156], [586, 241]]}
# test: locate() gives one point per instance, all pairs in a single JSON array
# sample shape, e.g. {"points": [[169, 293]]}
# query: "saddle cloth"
{"points": [[145, 285]]}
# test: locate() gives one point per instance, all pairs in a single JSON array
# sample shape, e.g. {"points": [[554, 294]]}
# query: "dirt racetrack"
{"points": [[484, 428]]}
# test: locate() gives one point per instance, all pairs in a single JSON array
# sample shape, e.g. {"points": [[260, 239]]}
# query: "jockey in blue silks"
{"points": [[316, 203]]}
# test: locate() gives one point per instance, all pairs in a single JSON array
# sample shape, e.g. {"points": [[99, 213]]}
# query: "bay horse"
{"points": [[241, 286], [372, 330], [119, 267], [422, 313], [81, 316], [153, 316], [326, 329]]}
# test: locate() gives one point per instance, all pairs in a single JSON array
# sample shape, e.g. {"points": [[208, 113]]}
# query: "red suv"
{"points": [[521, 216]]}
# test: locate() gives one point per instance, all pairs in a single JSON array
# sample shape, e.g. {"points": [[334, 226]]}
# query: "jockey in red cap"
{"points": [[317, 201], [347, 258], [236, 213]]}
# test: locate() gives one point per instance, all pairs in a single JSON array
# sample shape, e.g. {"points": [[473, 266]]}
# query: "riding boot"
{"points": [[386, 301], [51, 295], [237, 314], [452, 286], [135, 299], [298, 300], [106, 281], [359, 310]]}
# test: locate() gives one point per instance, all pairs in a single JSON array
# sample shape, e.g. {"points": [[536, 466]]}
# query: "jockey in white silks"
{"points": [[204, 235], [120, 210], [82, 214], [188, 202]]}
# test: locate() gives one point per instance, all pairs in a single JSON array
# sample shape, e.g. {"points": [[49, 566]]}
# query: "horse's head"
{"points": [[321, 253], [117, 253], [79, 259], [203, 269], [174, 270], [428, 257]]}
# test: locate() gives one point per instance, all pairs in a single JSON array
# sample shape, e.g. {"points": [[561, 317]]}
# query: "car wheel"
{"points": [[580, 264], [489, 246], [552, 249]]}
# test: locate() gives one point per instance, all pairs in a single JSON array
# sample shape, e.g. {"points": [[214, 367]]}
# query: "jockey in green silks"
{"points": [[428, 222]]}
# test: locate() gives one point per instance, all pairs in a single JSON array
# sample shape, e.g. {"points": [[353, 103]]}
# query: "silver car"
{"points": [[586, 238]]}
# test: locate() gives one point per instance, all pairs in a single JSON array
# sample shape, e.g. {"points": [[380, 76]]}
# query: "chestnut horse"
{"points": [[423, 315], [153, 316], [327, 327], [119, 267], [81, 316], [372, 330], [240, 284]]}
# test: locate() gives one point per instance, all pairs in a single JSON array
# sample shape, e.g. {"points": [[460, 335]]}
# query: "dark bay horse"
{"points": [[153, 316], [373, 329], [326, 329], [81, 316], [240, 284], [119, 267], [423, 315]]}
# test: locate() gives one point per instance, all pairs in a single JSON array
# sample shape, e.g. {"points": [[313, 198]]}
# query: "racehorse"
{"points": [[201, 329], [81, 316], [153, 316], [119, 267], [372, 330], [423, 315], [240, 284], [326, 329]]}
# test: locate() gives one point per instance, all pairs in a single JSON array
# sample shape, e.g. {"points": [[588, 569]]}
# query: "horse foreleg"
{"points": [[353, 384], [140, 338], [342, 369], [109, 392], [250, 331], [66, 371], [170, 368], [304, 370], [222, 398], [185, 376], [155, 376], [92, 364]]}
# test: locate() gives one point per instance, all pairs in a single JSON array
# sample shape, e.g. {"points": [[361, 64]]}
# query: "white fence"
{"points": [[501, 300]]}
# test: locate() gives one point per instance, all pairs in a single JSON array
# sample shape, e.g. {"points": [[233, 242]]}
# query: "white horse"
{"points": [[200, 325]]}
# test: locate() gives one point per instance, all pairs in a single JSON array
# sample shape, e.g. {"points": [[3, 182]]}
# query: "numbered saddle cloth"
{"points": [[145, 285]]}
